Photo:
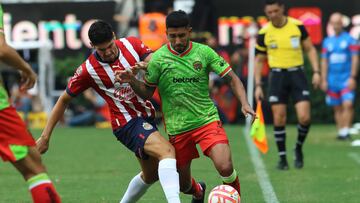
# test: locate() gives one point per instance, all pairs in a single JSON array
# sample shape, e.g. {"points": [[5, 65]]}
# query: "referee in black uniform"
{"points": [[282, 42]]}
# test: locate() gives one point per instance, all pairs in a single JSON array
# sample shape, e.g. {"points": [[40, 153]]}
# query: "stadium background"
{"points": [[87, 164], [24, 21]]}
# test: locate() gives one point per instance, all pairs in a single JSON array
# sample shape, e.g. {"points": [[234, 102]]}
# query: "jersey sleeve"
{"points": [[152, 73], [140, 47], [260, 47], [304, 33], [1, 20], [354, 46], [79, 82], [216, 63]]}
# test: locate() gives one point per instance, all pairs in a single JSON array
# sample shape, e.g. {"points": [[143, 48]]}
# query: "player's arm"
{"points": [[9, 56], [239, 92], [260, 58], [141, 89], [259, 64], [312, 55], [324, 67], [354, 49], [324, 73], [56, 114]]}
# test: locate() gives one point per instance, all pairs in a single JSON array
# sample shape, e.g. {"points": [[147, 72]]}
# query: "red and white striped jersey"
{"points": [[123, 102]]}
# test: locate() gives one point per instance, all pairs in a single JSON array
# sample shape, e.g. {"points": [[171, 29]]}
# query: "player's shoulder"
{"points": [[264, 29], [347, 36], [294, 21], [201, 47]]}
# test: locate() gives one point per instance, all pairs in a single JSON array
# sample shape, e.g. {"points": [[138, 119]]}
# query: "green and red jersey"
{"points": [[183, 83]]}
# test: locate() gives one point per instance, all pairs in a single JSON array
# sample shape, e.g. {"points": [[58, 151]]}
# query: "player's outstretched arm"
{"points": [[43, 142], [239, 91], [259, 64], [313, 58], [9, 56], [324, 73]]}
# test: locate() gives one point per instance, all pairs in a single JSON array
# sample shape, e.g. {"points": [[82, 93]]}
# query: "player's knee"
{"points": [[225, 169], [304, 119], [167, 151]]}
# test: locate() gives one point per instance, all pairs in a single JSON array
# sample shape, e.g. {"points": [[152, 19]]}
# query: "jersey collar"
{"points": [[180, 54]]}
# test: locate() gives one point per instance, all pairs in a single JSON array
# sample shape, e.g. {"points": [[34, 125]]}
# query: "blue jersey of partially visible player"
{"points": [[338, 50]]}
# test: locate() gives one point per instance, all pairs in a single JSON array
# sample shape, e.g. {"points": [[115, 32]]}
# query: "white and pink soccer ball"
{"points": [[224, 194]]}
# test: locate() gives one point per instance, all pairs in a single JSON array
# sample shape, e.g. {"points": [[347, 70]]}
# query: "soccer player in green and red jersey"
{"points": [[180, 70], [16, 143]]}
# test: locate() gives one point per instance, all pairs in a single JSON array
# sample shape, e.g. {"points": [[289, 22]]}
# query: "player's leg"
{"points": [[333, 99], [142, 137], [279, 120], [278, 98], [185, 150], [300, 95], [19, 149], [214, 144], [338, 116], [142, 181], [188, 184], [33, 171], [348, 111], [157, 146]]}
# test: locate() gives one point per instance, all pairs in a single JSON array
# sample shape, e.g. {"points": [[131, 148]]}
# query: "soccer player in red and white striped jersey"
{"points": [[131, 116]]}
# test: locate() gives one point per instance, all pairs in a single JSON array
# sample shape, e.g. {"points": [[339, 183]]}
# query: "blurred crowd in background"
{"points": [[146, 20]]}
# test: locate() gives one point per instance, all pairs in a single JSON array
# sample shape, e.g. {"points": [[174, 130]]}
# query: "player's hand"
{"points": [[324, 85], [42, 144], [124, 76], [28, 79], [316, 80], [141, 65], [248, 111], [259, 95], [352, 83]]}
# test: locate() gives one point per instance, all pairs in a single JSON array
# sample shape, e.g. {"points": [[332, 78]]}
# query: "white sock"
{"points": [[344, 131], [136, 189], [169, 180]]}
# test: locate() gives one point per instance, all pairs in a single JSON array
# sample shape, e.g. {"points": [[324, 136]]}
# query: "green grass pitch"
{"points": [[89, 165]]}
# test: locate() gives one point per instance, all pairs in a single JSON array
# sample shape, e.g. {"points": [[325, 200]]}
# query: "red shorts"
{"points": [[206, 136], [12, 132]]}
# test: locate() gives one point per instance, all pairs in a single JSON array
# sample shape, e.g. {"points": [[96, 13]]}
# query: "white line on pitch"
{"points": [[355, 157], [263, 178]]}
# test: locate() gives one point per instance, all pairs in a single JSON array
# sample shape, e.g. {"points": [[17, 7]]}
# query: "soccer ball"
{"points": [[224, 194]]}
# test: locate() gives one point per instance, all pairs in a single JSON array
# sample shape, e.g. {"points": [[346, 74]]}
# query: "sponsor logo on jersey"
{"points": [[186, 80], [147, 126], [197, 65], [123, 91]]}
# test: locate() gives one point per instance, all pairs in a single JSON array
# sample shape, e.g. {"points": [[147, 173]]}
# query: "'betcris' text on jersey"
{"points": [[183, 82], [123, 102]]}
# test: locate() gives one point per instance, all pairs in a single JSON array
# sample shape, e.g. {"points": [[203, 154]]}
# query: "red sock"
{"points": [[45, 193], [195, 189], [235, 184]]}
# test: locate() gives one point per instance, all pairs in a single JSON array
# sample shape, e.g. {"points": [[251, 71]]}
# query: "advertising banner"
{"points": [[65, 24]]}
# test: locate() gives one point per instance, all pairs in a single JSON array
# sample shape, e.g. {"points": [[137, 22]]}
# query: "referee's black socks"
{"points": [[280, 138], [302, 134]]}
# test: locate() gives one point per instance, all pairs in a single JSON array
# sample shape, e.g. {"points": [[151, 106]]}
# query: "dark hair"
{"points": [[270, 2], [177, 19], [100, 32]]}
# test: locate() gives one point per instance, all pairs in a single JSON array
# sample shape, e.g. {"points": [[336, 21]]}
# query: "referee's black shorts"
{"points": [[288, 82]]}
